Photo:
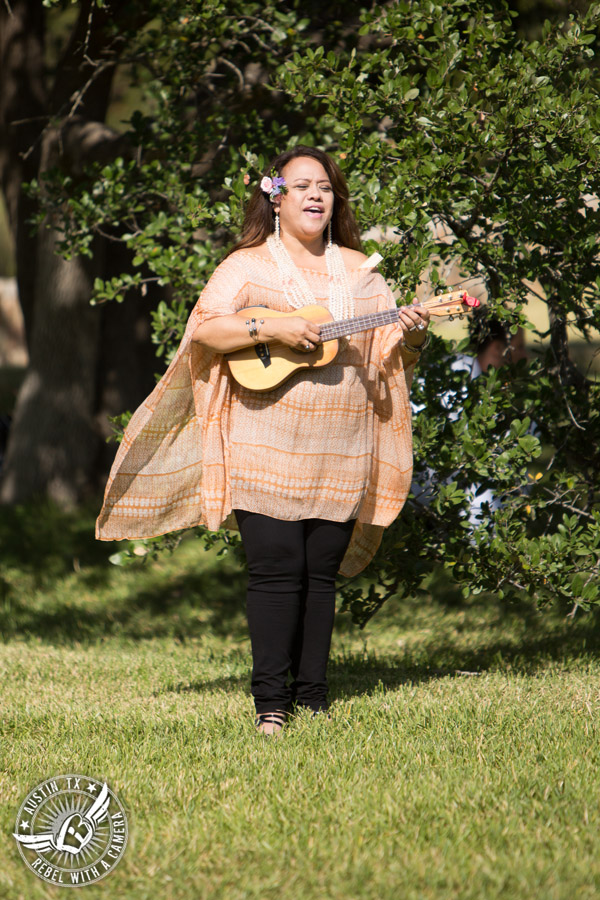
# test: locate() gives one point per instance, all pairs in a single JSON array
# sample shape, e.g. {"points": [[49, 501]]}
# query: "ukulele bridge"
{"points": [[262, 351]]}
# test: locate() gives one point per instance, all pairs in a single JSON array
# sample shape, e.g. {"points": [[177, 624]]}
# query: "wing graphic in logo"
{"points": [[72, 833], [40, 842]]}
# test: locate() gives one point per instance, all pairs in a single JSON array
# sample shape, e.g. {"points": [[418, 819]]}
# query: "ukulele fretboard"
{"points": [[332, 330]]}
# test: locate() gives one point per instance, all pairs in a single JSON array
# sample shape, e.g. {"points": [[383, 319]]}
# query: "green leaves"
{"points": [[486, 145], [467, 149]]}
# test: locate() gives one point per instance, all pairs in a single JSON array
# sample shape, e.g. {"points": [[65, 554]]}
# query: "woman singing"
{"points": [[311, 471]]}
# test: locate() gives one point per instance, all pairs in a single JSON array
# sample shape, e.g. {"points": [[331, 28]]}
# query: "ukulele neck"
{"points": [[332, 330]]}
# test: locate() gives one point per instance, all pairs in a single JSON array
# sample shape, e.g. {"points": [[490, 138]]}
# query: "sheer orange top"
{"points": [[332, 443]]}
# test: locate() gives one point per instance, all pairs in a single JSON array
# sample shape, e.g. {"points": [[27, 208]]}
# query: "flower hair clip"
{"points": [[273, 186]]}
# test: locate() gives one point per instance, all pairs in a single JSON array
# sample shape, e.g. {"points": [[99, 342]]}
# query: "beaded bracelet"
{"points": [[411, 349], [254, 328]]}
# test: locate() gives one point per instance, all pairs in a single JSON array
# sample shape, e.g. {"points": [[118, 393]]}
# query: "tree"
{"points": [[59, 160], [471, 144], [456, 127], [53, 121]]}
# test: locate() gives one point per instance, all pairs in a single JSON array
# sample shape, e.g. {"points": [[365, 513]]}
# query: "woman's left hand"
{"points": [[414, 321]]}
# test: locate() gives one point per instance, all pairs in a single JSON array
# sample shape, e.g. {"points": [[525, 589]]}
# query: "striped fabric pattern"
{"points": [[334, 443]]}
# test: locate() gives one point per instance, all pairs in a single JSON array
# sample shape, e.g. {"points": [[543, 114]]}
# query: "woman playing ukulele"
{"points": [[312, 470]]}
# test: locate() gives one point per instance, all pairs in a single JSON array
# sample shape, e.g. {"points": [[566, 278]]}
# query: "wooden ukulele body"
{"points": [[263, 367], [254, 371]]}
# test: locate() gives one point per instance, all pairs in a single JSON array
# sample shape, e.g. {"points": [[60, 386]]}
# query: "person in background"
{"points": [[493, 345]]}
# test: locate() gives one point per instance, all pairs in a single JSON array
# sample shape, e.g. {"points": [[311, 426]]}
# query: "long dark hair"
{"points": [[259, 221]]}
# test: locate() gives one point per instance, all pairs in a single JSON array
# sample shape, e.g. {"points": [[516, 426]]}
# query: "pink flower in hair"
{"points": [[273, 186]]}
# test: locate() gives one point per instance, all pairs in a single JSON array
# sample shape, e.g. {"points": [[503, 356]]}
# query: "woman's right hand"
{"points": [[226, 334], [294, 331]]}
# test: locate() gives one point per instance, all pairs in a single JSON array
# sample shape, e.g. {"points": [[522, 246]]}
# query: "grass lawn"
{"points": [[462, 759]]}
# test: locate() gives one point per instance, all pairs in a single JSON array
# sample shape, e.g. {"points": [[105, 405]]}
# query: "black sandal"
{"points": [[274, 718]]}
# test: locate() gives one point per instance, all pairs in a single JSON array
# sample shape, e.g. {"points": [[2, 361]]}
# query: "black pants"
{"points": [[292, 568]]}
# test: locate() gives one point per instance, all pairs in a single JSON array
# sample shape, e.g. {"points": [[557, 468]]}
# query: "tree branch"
{"points": [[234, 68]]}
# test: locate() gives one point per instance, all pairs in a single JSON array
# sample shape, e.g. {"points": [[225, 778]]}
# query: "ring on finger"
{"points": [[421, 326], [413, 328], [307, 346]]}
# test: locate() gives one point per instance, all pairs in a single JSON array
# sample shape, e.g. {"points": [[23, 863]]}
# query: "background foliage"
{"points": [[469, 147]]}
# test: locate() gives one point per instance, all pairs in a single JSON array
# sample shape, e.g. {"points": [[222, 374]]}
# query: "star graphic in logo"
{"points": [[72, 831]]}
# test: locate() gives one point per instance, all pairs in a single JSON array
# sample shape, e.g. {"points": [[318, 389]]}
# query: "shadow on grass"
{"points": [[184, 607], [42, 543], [352, 674], [44, 548], [230, 684], [520, 639]]}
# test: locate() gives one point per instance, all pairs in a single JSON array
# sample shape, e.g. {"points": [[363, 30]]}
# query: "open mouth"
{"points": [[313, 211]]}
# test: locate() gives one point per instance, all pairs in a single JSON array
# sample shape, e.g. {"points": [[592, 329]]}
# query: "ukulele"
{"points": [[263, 367]]}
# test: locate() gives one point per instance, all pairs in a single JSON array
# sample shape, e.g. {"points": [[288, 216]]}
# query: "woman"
{"points": [[312, 471]]}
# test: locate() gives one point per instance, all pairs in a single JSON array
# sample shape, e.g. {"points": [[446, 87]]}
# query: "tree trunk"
{"points": [[53, 443], [559, 347], [85, 363], [54, 440], [23, 115]]}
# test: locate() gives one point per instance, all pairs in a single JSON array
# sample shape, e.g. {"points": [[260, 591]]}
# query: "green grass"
{"points": [[462, 758]]}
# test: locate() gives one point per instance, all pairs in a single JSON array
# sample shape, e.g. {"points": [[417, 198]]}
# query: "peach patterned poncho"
{"points": [[332, 443]]}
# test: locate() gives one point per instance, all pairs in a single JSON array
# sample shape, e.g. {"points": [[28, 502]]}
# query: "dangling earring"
{"points": [[329, 242], [276, 224]]}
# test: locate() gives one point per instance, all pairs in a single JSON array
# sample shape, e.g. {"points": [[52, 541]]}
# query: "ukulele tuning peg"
{"points": [[451, 318]]}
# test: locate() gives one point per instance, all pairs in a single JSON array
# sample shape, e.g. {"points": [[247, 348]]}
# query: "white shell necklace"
{"points": [[296, 290]]}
